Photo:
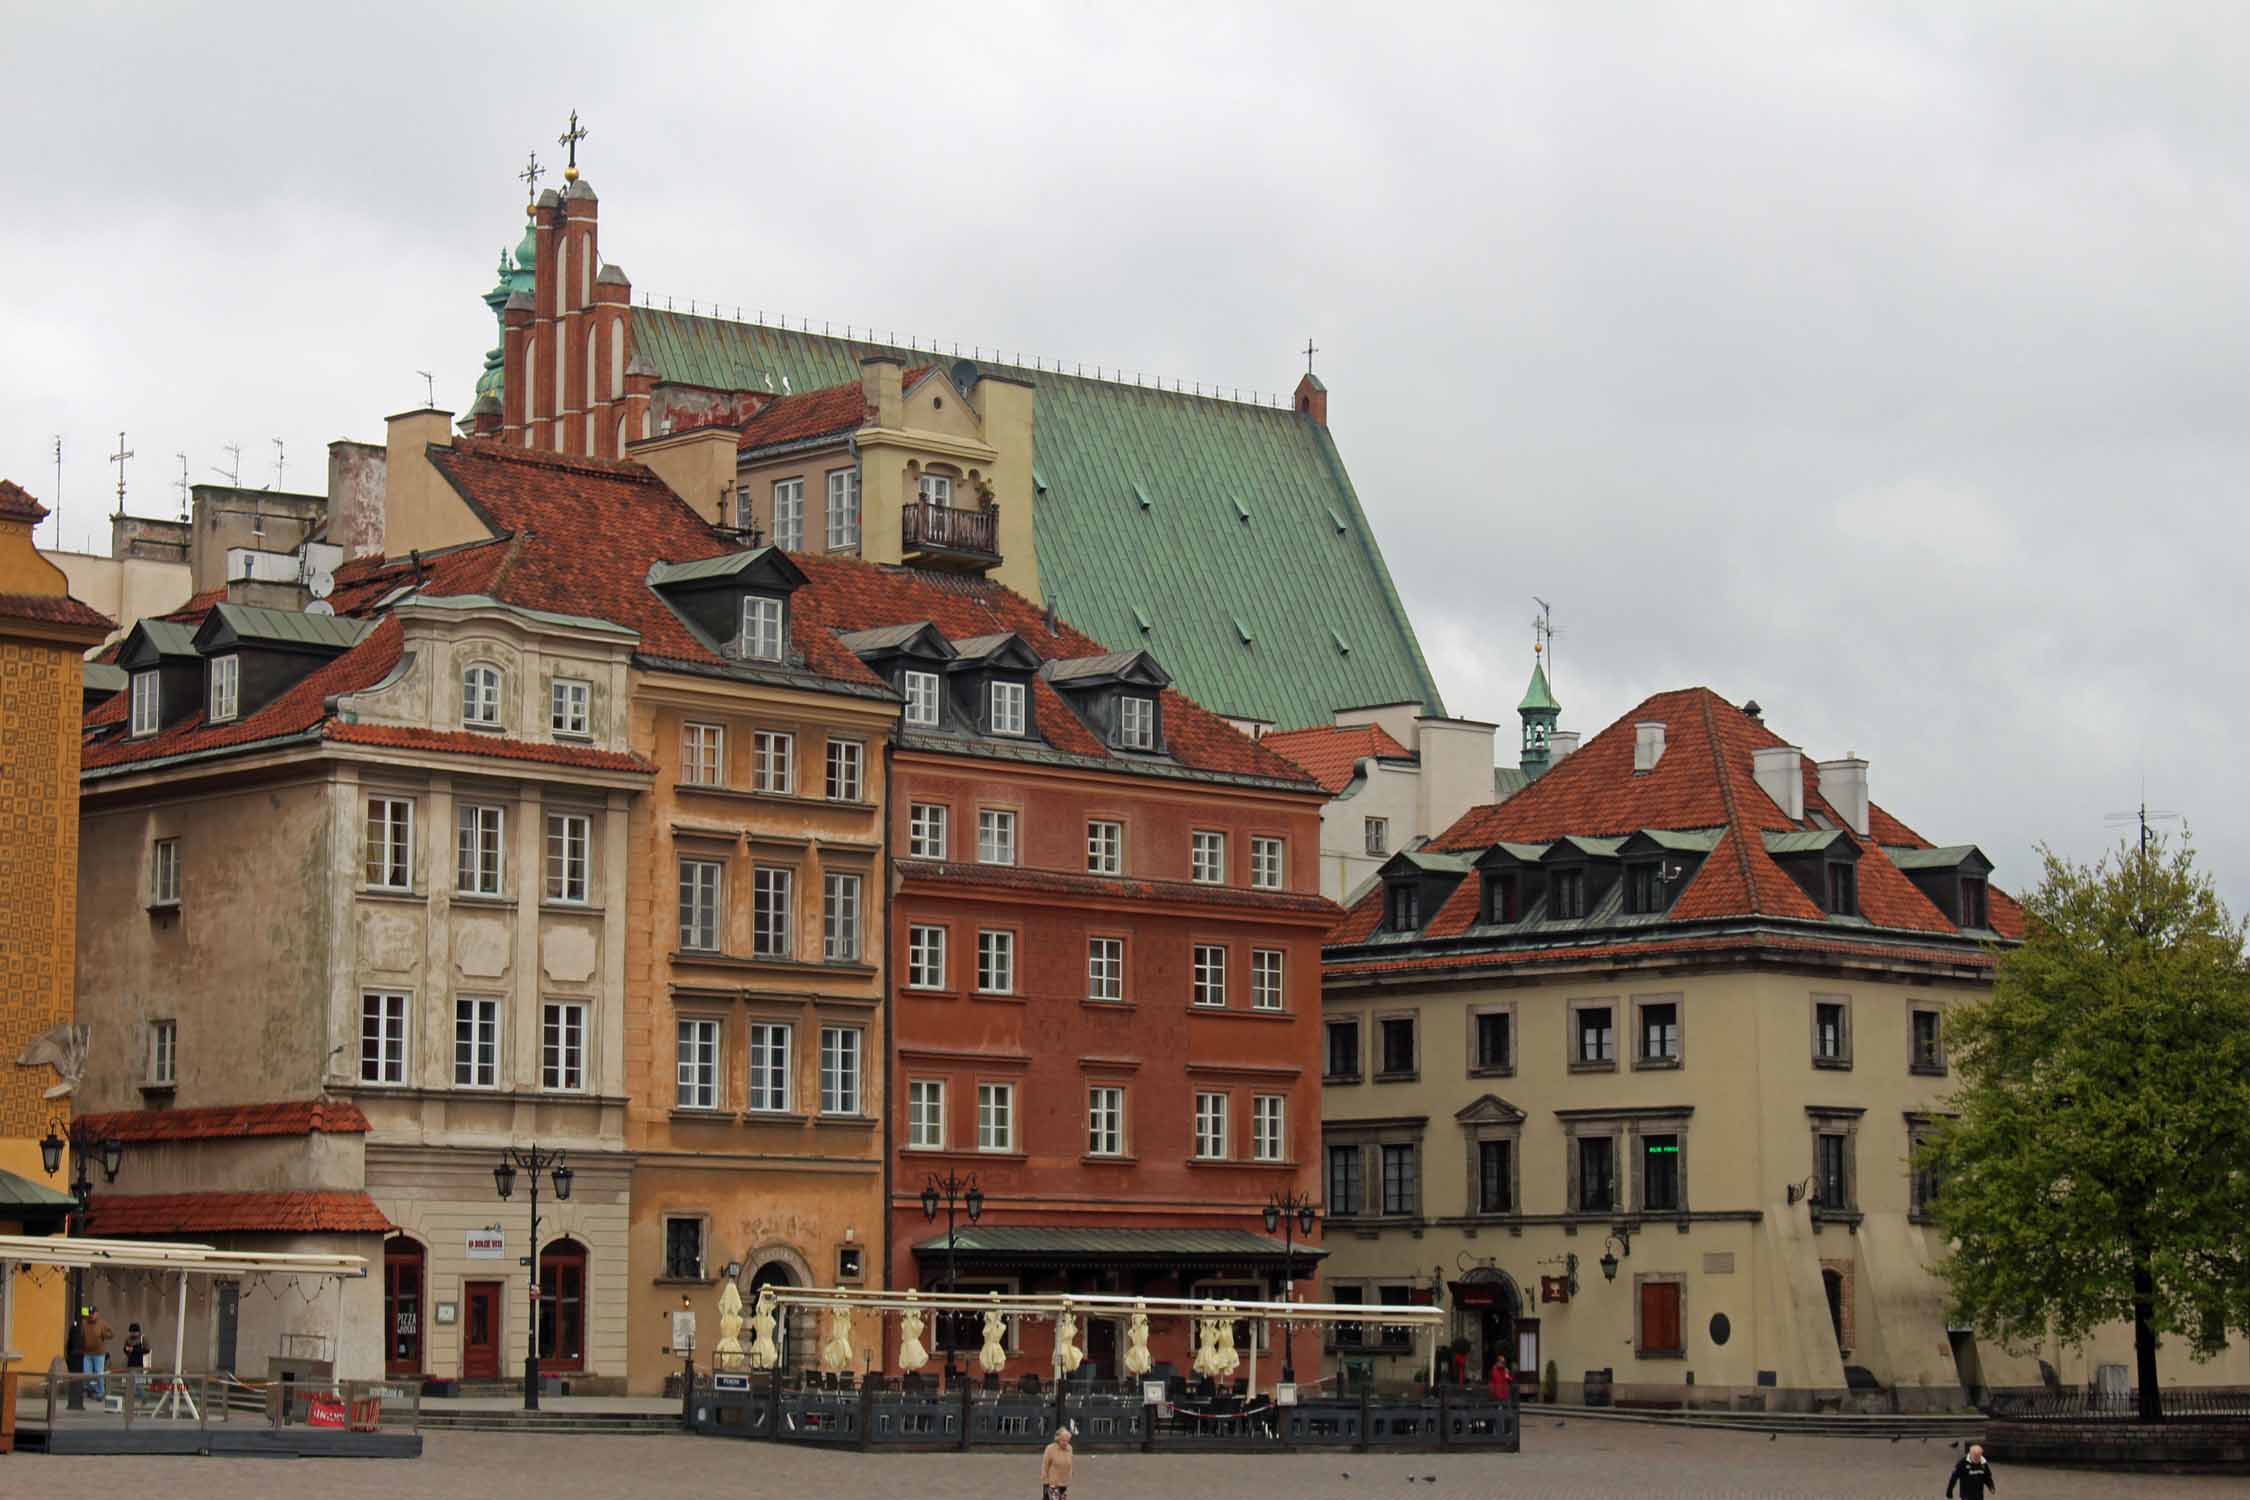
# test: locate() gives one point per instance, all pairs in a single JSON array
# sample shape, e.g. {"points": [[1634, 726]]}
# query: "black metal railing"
{"points": [[2184, 1405], [939, 528]]}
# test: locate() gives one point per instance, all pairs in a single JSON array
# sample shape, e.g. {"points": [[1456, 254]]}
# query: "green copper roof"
{"points": [[1803, 840], [1537, 696], [1285, 616]]}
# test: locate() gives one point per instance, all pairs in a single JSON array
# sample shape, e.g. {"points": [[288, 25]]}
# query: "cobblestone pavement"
{"points": [[1579, 1459]]}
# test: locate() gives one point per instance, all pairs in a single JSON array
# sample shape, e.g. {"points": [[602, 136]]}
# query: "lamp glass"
{"points": [[50, 1152], [504, 1178], [563, 1178], [1273, 1217], [1609, 1265], [1305, 1222], [929, 1201], [113, 1157], [976, 1203]]}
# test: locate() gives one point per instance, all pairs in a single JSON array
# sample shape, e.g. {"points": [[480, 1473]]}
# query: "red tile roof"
{"points": [[1005, 878], [466, 742], [807, 414], [16, 504], [1332, 752], [221, 1121], [171, 1214], [54, 609], [1780, 944]]}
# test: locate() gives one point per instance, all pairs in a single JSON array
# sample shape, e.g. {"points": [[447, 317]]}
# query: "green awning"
{"points": [[30, 1204]]}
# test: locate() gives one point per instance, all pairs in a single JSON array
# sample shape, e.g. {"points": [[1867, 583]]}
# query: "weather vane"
{"points": [[569, 139]]}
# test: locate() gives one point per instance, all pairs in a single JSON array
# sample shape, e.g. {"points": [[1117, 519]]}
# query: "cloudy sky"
{"points": [[1884, 363]]}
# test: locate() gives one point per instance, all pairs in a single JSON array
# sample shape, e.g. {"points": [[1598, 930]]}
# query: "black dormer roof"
{"points": [[708, 593], [1079, 674], [1004, 653], [920, 642]]}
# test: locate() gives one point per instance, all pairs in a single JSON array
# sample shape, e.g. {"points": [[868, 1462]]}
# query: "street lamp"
{"points": [[1293, 1214], [1622, 1238], [86, 1148], [532, 1162], [950, 1190]]}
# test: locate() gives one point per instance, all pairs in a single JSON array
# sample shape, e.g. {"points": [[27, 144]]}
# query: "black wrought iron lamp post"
{"points": [[86, 1148], [532, 1162], [954, 1192], [1293, 1214]]}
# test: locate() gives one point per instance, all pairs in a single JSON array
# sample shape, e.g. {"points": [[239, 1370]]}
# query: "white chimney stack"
{"points": [[1780, 770], [1843, 785], [1560, 744], [1648, 745]]}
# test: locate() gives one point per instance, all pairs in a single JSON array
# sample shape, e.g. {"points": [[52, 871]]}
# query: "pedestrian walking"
{"points": [[96, 1335], [1054, 1468], [1973, 1473], [136, 1348]]}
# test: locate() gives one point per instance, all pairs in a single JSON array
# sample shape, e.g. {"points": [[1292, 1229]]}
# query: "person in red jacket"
{"points": [[1503, 1379]]}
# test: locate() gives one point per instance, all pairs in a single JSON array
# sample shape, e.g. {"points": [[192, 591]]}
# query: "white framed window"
{"points": [[1211, 1126], [480, 695], [1378, 835], [144, 701], [925, 1114], [1210, 974], [476, 1043], [935, 489], [569, 707], [925, 958], [839, 917], [745, 513], [769, 1066], [770, 891], [700, 881], [761, 627], [1265, 979], [570, 842], [482, 867], [789, 514], [843, 510], [925, 830], [1266, 1135], [921, 699], [839, 1070], [226, 687], [703, 752], [773, 762], [996, 836], [382, 1037], [562, 1046], [164, 873], [163, 1054], [699, 1064], [390, 843], [1105, 1121], [996, 1117], [1105, 848], [1105, 968], [1136, 723], [847, 771], [1007, 708], [996, 962], [1208, 858], [1266, 863]]}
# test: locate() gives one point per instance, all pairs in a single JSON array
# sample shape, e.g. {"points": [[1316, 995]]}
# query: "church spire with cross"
{"points": [[1312, 392]]}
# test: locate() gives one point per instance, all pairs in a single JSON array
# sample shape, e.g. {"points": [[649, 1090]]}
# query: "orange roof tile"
{"points": [[53, 609], [465, 742], [173, 1214], [806, 414], [221, 1121], [1332, 752], [16, 504]]}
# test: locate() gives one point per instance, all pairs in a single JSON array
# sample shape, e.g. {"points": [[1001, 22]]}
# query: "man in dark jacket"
{"points": [[1973, 1473]]}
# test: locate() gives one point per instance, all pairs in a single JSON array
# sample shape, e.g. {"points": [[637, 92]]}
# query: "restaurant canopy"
{"points": [[1024, 1244]]}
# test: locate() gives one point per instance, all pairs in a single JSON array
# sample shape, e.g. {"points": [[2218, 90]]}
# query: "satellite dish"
{"points": [[323, 584], [320, 607]]}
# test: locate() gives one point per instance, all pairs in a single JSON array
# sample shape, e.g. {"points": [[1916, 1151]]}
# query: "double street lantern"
{"points": [[1293, 1215], [87, 1150], [532, 1162], [951, 1191]]}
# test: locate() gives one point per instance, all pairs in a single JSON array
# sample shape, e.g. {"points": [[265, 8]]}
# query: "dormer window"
{"points": [[1644, 888], [1007, 708], [1405, 914], [922, 699], [1569, 888], [1505, 899], [1843, 889], [761, 627], [1136, 723], [936, 489], [480, 696], [144, 714], [226, 688], [1975, 903]]}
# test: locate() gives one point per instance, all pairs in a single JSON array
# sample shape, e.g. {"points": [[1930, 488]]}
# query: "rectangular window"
{"points": [[1105, 1122], [769, 1066], [1007, 708], [1406, 908], [699, 1064], [922, 700], [1644, 893], [1265, 864], [996, 836], [562, 1046], [1347, 1335], [226, 687], [382, 1037], [1211, 1126], [996, 1117], [164, 873], [1660, 1033], [480, 695], [925, 958], [1343, 1050], [843, 510], [773, 762], [568, 707], [390, 843], [476, 1044], [761, 628], [1378, 832], [1345, 1191], [1210, 974], [996, 963], [1569, 894], [1505, 898], [789, 515], [1136, 723], [1597, 1175], [839, 918], [1266, 1133], [683, 1249], [144, 704], [1596, 1035], [1929, 1053], [1398, 1046], [699, 905], [847, 771], [1843, 890], [1209, 859], [1105, 968], [925, 830], [770, 911], [1397, 1335], [1831, 1036], [1831, 1178], [163, 1054], [1402, 1178], [1496, 1192], [482, 865], [1265, 979], [1105, 848], [1660, 1174], [1495, 1041], [839, 1070], [935, 489], [1976, 903], [925, 1114], [703, 754], [569, 842]]}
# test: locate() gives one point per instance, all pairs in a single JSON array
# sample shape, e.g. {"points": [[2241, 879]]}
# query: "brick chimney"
{"points": [[879, 377]]}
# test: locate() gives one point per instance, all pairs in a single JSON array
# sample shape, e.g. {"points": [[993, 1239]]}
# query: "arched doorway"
{"points": [[1832, 1282], [562, 1306], [404, 1265], [776, 1274], [1488, 1313]]}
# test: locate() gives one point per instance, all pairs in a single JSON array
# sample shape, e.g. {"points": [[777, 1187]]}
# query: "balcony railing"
{"points": [[970, 534]]}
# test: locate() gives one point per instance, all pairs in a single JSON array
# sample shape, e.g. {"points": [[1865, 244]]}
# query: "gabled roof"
{"points": [[227, 1121], [230, 624], [54, 609], [1332, 753], [1135, 667], [1953, 856], [170, 1215], [1001, 649], [16, 504], [769, 564], [920, 638], [1807, 841], [150, 640], [1424, 862]]}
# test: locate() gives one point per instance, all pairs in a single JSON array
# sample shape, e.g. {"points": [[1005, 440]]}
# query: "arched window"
{"points": [[532, 407], [562, 391], [591, 329], [562, 1306], [480, 694], [403, 1262], [617, 361], [586, 273], [562, 273]]}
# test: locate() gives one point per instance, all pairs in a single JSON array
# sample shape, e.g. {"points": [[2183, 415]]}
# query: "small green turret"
{"points": [[1539, 711]]}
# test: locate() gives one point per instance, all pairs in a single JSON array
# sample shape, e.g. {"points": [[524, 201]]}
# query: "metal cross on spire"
{"points": [[531, 174], [118, 458], [1310, 351], [569, 139]]}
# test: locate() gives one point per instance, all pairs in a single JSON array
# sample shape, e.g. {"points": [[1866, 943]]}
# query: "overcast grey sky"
{"points": [[1884, 363]]}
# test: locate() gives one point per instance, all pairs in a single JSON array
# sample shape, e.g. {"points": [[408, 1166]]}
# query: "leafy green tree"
{"points": [[2098, 1168]]}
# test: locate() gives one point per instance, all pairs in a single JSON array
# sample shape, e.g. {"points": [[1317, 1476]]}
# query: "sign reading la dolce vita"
{"points": [[487, 1244]]}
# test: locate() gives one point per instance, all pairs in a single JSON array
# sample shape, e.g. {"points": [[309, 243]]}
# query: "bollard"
{"points": [[1444, 1417], [1366, 1416], [964, 1415]]}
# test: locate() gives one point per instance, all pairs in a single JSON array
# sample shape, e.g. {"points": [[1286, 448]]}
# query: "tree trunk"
{"points": [[2144, 1338]]}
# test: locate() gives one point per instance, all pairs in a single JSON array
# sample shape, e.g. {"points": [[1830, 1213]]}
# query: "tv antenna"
{"points": [[181, 484], [232, 476], [1543, 635], [429, 389], [58, 492], [2143, 815], [279, 462], [118, 458]]}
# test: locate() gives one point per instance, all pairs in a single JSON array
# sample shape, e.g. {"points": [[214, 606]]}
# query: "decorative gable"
{"points": [[1488, 1109]]}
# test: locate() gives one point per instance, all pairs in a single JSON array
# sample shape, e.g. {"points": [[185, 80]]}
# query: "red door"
{"points": [[480, 1330]]}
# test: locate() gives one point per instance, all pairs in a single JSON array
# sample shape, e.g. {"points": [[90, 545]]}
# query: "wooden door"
{"points": [[1101, 1349], [1660, 1318], [480, 1330]]}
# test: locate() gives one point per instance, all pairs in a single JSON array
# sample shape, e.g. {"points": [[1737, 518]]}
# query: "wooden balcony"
{"points": [[941, 537]]}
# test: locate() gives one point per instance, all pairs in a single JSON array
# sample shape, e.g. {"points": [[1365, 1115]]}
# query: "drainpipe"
{"points": [[890, 1021]]}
